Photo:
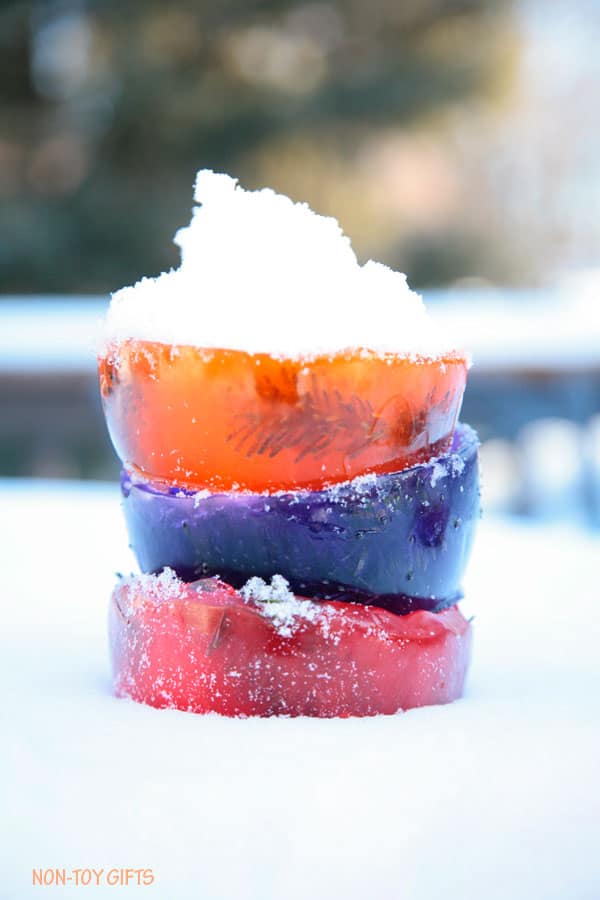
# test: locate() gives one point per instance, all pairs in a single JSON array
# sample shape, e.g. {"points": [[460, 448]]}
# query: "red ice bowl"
{"points": [[204, 647]]}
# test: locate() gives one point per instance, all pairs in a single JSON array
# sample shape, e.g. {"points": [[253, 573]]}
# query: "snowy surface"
{"points": [[263, 274], [495, 796]]}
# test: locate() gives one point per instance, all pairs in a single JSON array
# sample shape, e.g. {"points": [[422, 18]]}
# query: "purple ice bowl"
{"points": [[400, 541]]}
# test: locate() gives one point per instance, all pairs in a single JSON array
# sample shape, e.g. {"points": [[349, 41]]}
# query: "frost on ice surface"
{"points": [[163, 587], [278, 591], [264, 274], [438, 471], [278, 603], [456, 463], [452, 465]]}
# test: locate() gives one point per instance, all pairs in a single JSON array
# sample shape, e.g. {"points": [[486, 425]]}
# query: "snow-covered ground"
{"points": [[495, 796]]}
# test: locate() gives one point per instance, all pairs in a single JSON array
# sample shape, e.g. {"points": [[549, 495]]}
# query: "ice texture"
{"points": [[261, 273]]}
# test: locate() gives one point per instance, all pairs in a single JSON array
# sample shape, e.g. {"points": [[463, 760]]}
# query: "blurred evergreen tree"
{"points": [[108, 109]]}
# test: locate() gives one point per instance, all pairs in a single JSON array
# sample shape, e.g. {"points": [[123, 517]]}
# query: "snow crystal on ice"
{"points": [[279, 604], [438, 471], [163, 587], [452, 465]]}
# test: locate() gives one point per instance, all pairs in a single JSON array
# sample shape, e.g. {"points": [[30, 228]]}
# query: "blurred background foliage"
{"points": [[456, 140], [378, 112]]}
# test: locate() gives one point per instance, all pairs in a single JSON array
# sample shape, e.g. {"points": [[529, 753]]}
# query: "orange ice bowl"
{"points": [[229, 419]]}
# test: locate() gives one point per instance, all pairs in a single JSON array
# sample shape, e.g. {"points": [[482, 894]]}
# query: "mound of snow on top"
{"points": [[264, 274]]}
